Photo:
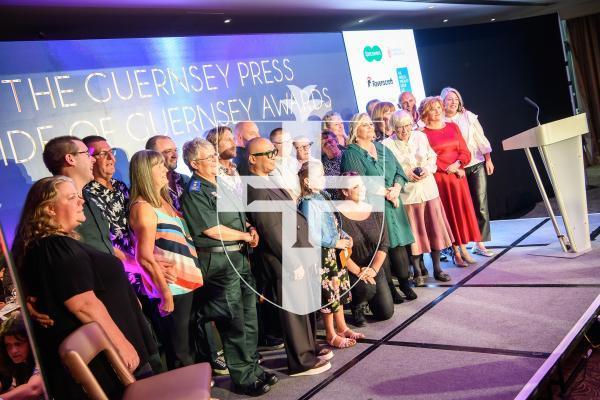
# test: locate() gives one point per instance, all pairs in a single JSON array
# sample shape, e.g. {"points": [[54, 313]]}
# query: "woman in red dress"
{"points": [[452, 155]]}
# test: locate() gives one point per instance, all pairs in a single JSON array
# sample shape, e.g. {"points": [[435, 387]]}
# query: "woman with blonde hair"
{"points": [[453, 154], [420, 195], [162, 235], [381, 118], [332, 121], [75, 284], [479, 167], [370, 158]]}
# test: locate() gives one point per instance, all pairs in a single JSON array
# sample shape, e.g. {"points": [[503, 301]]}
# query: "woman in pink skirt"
{"points": [[420, 195]]}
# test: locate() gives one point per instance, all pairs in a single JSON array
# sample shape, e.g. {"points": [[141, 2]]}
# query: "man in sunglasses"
{"points": [[304, 356]]}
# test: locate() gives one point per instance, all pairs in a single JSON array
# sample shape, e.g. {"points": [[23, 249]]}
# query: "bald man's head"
{"points": [[245, 131], [261, 156]]}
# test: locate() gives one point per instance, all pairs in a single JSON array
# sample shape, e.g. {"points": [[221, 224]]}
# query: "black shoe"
{"points": [[408, 292], [397, 297], [359, 316], [268, 378], [218, 365], [256, 388], [442, 276], [271, 343]]}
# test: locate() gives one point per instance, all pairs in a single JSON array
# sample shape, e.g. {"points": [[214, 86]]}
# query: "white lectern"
{"points": [[560, 147]]}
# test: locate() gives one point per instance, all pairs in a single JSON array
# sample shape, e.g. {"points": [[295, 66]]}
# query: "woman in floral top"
{"points": [[325, 231]]}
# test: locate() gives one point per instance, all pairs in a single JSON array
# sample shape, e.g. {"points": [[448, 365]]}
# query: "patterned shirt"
{"points": [[114, 204], [177, 183], [332, 167]]}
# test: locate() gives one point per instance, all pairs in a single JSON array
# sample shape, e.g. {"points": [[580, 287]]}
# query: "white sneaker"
{"points": [[320, 367], [325, 354]]}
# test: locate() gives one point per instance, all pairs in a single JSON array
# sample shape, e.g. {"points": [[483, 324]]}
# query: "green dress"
{"points": [[357, 159]]}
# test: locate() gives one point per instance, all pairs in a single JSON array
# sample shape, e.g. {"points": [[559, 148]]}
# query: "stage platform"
{"points": [[484, 335]]}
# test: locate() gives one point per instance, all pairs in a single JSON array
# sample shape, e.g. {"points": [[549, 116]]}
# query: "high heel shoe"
{"points": [[467, 257], [459, 262]]}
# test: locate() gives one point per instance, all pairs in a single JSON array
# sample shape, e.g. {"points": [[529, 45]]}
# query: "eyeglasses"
{"points": [[404, 127], [212, 156], [82, 152], [105, 154], [304, 146], [269, 154]]}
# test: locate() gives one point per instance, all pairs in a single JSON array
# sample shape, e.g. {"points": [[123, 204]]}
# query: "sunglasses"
{"points": [[269, 154]]}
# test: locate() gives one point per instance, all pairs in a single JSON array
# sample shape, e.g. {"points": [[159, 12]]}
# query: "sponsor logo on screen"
{"points": [[372, 53], [403, 79], [372, 83]]}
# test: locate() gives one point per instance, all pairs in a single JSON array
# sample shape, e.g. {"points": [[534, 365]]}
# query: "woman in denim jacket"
{"points": [[325, 231]]}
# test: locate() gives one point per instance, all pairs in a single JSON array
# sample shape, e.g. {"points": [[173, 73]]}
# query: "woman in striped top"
{"points": [[163, 238]]}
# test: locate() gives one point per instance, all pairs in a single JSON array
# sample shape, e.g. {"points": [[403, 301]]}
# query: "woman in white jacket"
{"points": [[480, 165]]}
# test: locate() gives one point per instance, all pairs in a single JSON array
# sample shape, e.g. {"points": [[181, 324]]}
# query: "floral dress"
{"points": [[326, 230]]}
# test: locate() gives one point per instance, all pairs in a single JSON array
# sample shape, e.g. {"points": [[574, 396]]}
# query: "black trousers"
{"points": [[177, 331], [477, 179], [378, 296], [268, 314]]}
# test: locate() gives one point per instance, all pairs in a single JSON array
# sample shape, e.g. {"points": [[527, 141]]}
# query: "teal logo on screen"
{"points": [[403, 79], [372, 53]]}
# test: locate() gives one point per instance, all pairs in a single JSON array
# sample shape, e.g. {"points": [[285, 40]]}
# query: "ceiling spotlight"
{"points": [[228, 20], [493, 19], [360, 21], [444, 21], [430, 7]]}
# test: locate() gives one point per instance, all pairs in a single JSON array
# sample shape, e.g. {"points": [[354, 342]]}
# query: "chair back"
{"points": [[79, 349]]}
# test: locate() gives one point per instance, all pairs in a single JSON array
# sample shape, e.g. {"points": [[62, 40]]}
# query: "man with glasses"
{"points": [[177, 182], [69, 156], [220, 240], [303, 145], [108, 193], [286, 169]]}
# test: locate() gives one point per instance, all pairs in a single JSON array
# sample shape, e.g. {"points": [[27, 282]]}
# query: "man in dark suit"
{"points": [[303, 353]]}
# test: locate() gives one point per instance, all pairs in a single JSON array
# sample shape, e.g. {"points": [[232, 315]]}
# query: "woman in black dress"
{"points": [[369, 253], [75, 284]]}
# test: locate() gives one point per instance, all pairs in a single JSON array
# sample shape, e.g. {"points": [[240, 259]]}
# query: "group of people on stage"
{"points": [[166, 274]]}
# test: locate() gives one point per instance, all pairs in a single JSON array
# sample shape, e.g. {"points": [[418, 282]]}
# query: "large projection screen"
{"points": [[130, 89]]}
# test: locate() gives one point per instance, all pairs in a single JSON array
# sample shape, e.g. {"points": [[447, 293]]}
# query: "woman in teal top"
{"points": [[370, 158]]}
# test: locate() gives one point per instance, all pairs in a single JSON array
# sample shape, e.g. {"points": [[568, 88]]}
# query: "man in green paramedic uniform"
{"points": [[227, 296]]}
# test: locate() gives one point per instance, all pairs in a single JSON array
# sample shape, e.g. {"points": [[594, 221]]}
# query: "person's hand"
{"points": [[166, 305], [412, 177], [42, 319], [351, 241], [255, 238], [489, 167], [460, 173], [424, 173], [393, 192], [367, 275], [453, 168], [396, 203], [168, 270], [343, 244], [129, 355]]}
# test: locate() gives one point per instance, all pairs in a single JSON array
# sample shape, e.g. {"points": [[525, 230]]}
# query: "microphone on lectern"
{"points": [[534, 104]]}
